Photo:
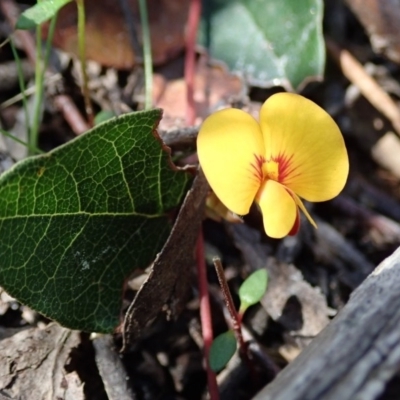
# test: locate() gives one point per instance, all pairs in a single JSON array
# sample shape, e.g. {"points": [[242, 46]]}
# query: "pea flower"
{"points": [[295, 151]]}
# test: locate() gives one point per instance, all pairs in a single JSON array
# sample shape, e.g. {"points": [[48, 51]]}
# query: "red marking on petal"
{"points": [[296, 225], [257, 167], [285, 166]]}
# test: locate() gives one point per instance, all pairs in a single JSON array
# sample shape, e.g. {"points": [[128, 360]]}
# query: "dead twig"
{"points": [[190, 59], [367, 85], [111, 369], [71, 114], [180, 137]]}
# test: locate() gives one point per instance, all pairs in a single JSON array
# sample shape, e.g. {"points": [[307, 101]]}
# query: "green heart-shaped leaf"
{"points": [[222, 350], [253, 289], [74, 223], [272, 42], [39, 13]]}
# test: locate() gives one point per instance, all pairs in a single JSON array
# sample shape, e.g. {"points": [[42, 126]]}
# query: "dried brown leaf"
{"points": [[214, 86], [108, 39], [381, 19], [168, 283]]}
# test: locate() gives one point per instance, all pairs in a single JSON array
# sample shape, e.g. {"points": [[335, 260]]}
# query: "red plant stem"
{"points": [[205, 310], [205, 315], [236, 318], [190, 58]]}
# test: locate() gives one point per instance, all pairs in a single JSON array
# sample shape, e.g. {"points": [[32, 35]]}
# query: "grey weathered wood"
{"points": [[32, 365], [111, 369], [357, 353]]}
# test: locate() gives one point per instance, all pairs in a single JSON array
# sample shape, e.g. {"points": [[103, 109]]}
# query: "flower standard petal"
{"points": [[278, 208], [230, 146], [307, 144]]}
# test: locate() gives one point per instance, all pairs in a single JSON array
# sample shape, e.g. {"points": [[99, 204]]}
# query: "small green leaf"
{"points": [[222, 350], [274, 42], [75, 222], [253, 289], [39, 13], [103, 116]]}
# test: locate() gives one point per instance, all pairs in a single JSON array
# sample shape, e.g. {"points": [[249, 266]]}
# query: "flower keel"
{"points": [[278, 208]]}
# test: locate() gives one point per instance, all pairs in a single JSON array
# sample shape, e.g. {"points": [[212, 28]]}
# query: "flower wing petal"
{"points": [[308, 145], [304, 209], [227, 146], [278, 208]]}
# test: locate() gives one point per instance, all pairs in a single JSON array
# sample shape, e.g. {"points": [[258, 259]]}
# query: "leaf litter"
{"points": [[311, 276]]}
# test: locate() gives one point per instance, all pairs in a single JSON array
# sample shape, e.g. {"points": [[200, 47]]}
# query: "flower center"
{"points": [[277, 168], [270, 170]]}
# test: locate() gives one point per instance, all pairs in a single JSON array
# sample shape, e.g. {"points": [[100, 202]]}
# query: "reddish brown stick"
{"points": [[205, 316], [190, 59]]}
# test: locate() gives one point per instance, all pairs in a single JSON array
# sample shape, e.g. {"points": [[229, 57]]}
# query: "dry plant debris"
{"points": [[325, 320], [109, 31], [33, 364]]}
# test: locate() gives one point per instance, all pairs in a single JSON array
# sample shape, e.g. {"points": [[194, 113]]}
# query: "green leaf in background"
{"points": [[103, 116], [268, 42], [222, 349], [74, 223], [253, 289], [39, 13]]}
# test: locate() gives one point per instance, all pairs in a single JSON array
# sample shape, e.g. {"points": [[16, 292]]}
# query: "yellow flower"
{"points": [[296, 150]]}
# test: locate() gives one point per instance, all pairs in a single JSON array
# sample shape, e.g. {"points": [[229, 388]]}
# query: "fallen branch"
{"points": [[357, 353]]}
